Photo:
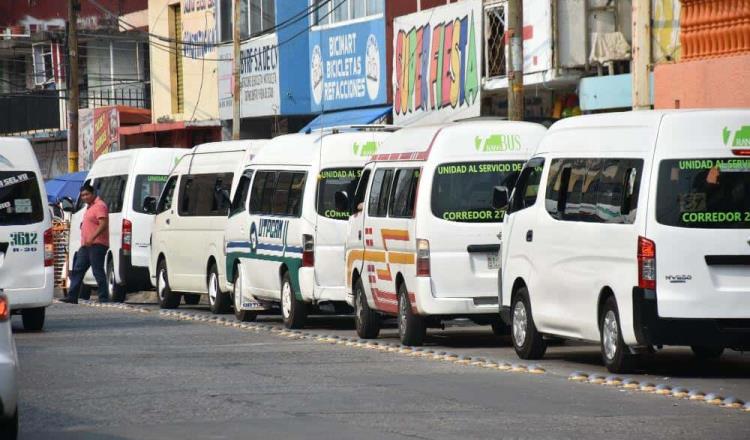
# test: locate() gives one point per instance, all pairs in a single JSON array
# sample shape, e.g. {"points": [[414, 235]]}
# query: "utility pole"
{"points": [[236, 73], [641, 54], [514, 57], [74, 6]]}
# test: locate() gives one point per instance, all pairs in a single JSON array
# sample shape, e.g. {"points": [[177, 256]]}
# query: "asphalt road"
{"points": [[111, 374]]}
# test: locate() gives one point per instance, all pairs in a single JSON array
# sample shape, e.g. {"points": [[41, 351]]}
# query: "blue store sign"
{"points": [[347, 66]]}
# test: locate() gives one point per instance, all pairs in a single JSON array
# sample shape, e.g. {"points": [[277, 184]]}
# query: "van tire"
{"points": [[707, 351], [33, 319], [241, 315], [219, 301], [366, 320], [411, 327], [116, 292], [527, 341], [615, 354], [293, 311], [167, 298], [192, 299]]}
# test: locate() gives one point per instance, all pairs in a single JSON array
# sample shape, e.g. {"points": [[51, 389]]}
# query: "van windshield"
{"points": [[704, 193], [20, 200], [147, 185], [462, 192], [331, 181]]}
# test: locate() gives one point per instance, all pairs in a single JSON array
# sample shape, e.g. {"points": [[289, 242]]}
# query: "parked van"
{"points": [[632, 229], [129, 182], [187, 253], [26, 248], [285, 236], [422, 241]]}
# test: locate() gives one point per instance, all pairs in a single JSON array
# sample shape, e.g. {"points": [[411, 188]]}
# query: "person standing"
{"points": [[94, 246]]}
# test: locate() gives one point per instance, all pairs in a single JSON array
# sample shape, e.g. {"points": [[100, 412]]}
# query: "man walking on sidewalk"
{"points": [[94, 245]]}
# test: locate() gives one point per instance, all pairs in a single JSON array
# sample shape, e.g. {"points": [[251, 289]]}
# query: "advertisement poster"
{"points": [[347, 66], [437, 56], [97, 134], [259, 77]]}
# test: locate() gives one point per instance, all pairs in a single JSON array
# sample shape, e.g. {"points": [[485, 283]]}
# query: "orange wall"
{"points": [[710, 83]]}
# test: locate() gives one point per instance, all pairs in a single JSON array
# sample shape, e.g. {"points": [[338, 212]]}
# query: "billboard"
{"points": [[347, 66], [97, 134], [437, 64], [259, 78]]}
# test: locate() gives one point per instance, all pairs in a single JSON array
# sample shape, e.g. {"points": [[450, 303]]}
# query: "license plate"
{"points": [[493, 261]]}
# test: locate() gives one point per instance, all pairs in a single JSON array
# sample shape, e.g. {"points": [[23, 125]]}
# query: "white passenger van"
{"points": [[422, 242], [187, 253], [129, 182], [632, 229], [285, 236], [26, 248]]}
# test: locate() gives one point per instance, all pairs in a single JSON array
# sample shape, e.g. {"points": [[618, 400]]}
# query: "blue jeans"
{"points": [[89, 256]]}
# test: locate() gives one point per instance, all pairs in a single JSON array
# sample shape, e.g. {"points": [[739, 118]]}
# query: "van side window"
{"points": [[201, 195], [359, 193], [404, 193], [527, 187], [111, 189], [381, 187], [258, 192], [184, 195], [239, 202], [277, 193], [165, 201]]}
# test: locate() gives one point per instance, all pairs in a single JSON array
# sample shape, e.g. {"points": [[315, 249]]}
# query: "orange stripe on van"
{"points": [[385, 275], [401, 258], [394, 234]]}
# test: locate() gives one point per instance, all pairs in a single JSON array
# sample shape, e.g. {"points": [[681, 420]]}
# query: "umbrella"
{"points": [[65, 185]]}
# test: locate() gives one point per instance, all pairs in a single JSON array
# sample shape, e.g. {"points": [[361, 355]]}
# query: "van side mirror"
{"points": [[149, 205], [341, 201], [500, 197], [67, 204]]}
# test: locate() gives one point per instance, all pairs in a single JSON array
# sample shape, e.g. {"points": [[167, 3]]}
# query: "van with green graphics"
{"points": [[285, 235], [632, 229]]}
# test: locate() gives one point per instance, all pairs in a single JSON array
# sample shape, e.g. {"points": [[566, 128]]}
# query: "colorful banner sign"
{"points": [[97, 134], [347, 66], [437, 57]]}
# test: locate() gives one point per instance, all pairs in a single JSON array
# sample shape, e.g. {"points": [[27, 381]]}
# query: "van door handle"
{"points": [[359, 235], [167, 221], [529, 235]]}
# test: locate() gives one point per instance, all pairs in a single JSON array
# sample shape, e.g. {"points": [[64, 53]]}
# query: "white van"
{"points": [[187, 253], [26, 248], [632, 229], [422, 242], [129, 182], [285, 236]]}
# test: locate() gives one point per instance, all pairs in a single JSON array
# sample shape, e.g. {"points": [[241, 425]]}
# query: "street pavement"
{"points": [[105, 373]]}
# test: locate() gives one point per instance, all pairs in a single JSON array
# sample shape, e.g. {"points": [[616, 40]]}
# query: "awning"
{"points": [[65, 185], [358, 116]]}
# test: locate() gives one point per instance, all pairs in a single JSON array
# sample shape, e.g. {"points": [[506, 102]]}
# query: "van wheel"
{"points": [[167, 298], [527, 341], [241, 315], [218, 301], [115, 291], [411, 327], [293, 310], [616, 355], [707, 351], [9, 427], [366, 320], [191, 299], [33, 319]]}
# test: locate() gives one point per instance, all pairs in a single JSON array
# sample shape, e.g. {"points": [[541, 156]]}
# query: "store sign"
{"points": [[97, 134], [437, 56], [198, 28], [347, 66], [259, 78]]}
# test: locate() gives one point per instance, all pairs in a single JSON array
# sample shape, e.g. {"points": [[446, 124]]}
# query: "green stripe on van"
{"points": [[292, 264]]}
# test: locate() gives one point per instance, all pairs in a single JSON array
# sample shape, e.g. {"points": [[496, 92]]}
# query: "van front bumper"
{"points": [[428, 304], [650, 329]]}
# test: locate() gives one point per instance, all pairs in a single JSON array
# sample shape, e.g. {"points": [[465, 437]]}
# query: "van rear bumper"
{"points": [[650, 329], [427, 304], [32, 298], [135, 278]]}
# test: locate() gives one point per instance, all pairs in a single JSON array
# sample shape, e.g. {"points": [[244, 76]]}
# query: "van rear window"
{"points": [[704, 193], [330, 182], [462, 192], [20, 200]]}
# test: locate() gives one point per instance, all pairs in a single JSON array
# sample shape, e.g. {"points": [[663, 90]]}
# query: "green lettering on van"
{"points": [[367, 149], [498, 142], [741, 137]]}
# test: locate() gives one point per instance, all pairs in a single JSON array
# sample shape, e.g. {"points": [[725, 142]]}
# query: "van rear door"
{"points": [[21, 230]]}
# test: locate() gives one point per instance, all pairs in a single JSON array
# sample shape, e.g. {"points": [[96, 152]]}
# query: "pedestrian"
{"points": [[94, 246]]}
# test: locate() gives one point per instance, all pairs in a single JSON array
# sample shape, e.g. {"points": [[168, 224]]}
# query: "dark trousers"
{"points": [[93, 257]]}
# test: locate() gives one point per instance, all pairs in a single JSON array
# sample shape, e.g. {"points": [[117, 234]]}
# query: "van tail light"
{"points": [[127, 236], [4, 308], [741, 152], [646, 264], [49, 248], [308, 251], [423, 258]]}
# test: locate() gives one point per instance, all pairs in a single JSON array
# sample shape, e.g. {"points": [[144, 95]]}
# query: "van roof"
{"points": [[17, 153], [224, 146]]}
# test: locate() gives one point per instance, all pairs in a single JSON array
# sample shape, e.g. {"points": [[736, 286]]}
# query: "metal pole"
{"points": [[514, 56], [236, 73], [74, 7], [641, 54]]}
